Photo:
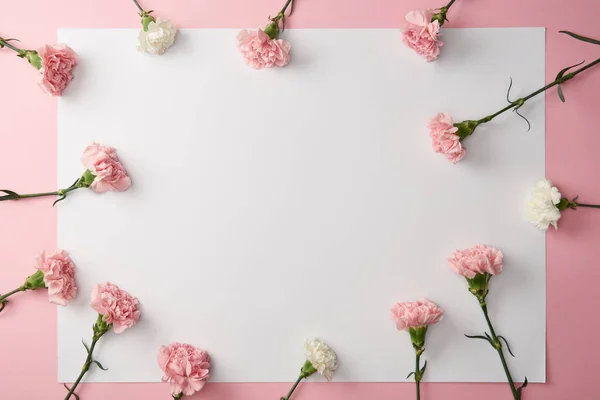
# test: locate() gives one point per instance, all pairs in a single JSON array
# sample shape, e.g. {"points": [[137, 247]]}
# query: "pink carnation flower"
{"points": [[417, 314], [102, 161], [260, 51], [57, 63], [186, 368], [116, 306], [421, 35], [480, 259], [444, 138], [59, 276]]}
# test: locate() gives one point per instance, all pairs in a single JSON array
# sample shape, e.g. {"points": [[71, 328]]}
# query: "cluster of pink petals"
{"points": [[421, 35], [57, 63], [186, 368], [480, 259], [103, 162], [416, 314], [260, 51], [59, 276], [444, 138], [116, 306]]}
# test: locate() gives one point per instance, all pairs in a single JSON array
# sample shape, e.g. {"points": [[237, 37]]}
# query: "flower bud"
{"points": [[465, 128], [35, 281], [272, 30]]}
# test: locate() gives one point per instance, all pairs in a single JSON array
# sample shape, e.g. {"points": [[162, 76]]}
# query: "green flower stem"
{"points": [[418, 373], [138, 6], [519, 102], [498, 346], [87, 364], [449, 4], [302, 376], [4, 42], [60, 193], [588, 205], [6, 295], [287, 3]]}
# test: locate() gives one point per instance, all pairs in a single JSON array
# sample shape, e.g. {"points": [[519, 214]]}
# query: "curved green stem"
{"points": [[498, 346], [287, 397], [519, 102], [6, 295]]}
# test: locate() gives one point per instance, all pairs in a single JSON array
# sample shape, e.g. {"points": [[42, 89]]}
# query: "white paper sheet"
{"points": [[272, 206]]}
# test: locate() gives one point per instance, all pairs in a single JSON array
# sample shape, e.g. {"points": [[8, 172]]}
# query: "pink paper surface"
{"points": [[28, 163]]}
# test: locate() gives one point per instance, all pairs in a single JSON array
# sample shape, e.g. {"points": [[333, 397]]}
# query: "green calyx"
{"points": [[564, 203], [35, 281], [440, 17], [86, 179], [100, 327], [32, 56], [417, 337], [466, 128], [146, 19], [307, 369], [479, 286], [272, 30]]}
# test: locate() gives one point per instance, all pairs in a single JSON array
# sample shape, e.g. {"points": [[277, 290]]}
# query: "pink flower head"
{"points": [[116, 306], [416, 314], [260, 51], [57, 63], [102, 161], [59, 275], [186, 368], [444, 138], [421, 35], [480, 259]]}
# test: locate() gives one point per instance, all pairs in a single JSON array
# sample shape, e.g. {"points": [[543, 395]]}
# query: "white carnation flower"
{"points": [[159, 37], [542, 210], [322, 358]]}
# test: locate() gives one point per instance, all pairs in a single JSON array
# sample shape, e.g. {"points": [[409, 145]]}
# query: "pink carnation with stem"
{"points": [[421, 35], [116, 306], [185, 367], [110, 175], [260, 51], [416, 314], [59, 275], [444, 138], [479, 259], [57, 63]]}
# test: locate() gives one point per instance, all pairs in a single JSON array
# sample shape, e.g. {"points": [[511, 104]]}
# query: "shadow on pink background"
{"points": [[28, 121]]}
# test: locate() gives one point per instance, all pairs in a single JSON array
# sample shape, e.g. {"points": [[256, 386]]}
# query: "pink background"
{"points": [[28, 163]]}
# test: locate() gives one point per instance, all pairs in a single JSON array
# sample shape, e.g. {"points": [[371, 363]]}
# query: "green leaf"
{"points": [[86, 346], [507, 346], [582, 38], [423, 369], [100, 365], [409, 375], [561, 96], [479, 337]]}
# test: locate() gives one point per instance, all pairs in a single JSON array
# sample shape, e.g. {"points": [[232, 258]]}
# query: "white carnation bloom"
{"points": [[322, 358], [159, 37], [541, 205]]}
